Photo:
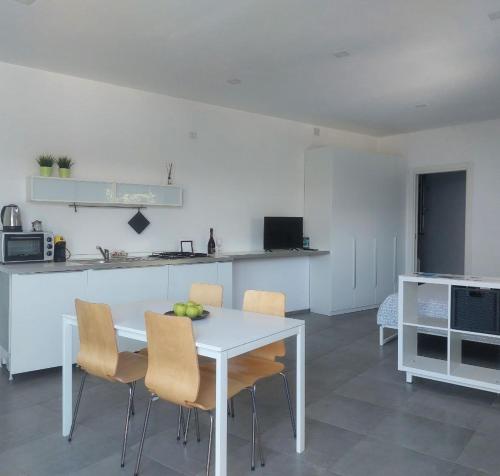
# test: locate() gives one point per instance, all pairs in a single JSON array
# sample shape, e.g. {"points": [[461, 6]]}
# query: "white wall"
{"points": [[477, 145], [241, 167]]}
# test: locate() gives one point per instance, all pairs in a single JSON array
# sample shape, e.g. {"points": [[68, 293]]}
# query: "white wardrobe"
{"points": [[354, 207]]}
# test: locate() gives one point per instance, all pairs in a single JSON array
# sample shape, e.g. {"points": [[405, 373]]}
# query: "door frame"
{"points": [[412, 210]]}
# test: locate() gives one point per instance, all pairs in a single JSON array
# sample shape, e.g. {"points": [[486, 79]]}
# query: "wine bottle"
{"points": [[211, 243]]}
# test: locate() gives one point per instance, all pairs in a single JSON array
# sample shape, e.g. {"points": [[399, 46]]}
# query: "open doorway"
{"points": [[441, 209]]}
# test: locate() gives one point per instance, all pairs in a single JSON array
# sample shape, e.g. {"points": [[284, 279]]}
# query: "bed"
{"points": [[432, 302]]}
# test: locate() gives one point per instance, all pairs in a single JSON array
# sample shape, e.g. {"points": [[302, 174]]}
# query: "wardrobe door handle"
{"points": [[375, 263], [395, 262], [354, 263]]}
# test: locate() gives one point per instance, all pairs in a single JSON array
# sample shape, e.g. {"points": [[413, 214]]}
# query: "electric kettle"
{"points": [[11, 218]]}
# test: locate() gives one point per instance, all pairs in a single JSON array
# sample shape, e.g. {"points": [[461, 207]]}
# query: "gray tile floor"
{"points": [[362, 419]]}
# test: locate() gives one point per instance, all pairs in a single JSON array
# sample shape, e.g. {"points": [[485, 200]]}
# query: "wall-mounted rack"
{"points": [[75, 206]]}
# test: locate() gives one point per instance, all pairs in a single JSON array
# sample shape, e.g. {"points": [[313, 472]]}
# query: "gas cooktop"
{"points": [[177, 255]]}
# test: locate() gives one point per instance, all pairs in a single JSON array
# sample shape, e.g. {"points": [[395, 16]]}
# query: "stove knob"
{"points": [[49, 253]]}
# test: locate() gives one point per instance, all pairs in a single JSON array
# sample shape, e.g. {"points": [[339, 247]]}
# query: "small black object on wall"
{"points": [[139, 222]]}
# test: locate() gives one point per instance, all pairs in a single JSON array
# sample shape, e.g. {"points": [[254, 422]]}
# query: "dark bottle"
{"points": [[211, 243]]}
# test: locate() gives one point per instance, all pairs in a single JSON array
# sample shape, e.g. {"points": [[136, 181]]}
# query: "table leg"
{"points": [[221, 415], [301, 389], [67, 377]]}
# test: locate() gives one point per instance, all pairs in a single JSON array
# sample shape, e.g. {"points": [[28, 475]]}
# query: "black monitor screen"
{"points": [[283, 232]]}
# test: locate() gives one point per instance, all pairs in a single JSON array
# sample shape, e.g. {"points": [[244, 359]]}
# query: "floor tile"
{"points": [[426, 436], [376, 458], [350, 414]]}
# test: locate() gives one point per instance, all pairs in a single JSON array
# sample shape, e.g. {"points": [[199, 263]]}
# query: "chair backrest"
{"points": [[173, 373], [206, 294], [98, 350], [266, 302]]}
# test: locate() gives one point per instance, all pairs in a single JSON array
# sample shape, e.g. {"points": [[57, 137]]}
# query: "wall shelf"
{"points": [[91, 193]]}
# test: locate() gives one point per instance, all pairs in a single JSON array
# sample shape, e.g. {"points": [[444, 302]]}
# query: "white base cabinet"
{"points": [[181, 277], [37, 303], [287, 275], [31, 305], [354, 207]]}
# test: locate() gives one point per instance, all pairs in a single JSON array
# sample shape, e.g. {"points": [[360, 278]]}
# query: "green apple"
{"points": [[180, 309], [192, 311], [191, 303], [200, 309]]}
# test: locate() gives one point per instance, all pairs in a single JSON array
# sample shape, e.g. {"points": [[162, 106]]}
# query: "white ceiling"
{"points": [[443, 53]]}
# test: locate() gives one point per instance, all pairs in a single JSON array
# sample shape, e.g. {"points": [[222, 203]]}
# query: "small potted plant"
{"points": [[45, 162], [64, 163]]}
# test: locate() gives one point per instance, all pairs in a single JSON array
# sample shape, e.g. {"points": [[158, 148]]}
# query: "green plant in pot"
{"points": [[64, 164], [45, 162]]}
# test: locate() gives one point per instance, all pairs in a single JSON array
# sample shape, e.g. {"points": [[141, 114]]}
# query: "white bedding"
{"points": [[432, 302]]}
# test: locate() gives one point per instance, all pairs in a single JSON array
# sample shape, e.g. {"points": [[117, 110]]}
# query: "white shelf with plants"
{"points": [[452, 368], [102, 193]]}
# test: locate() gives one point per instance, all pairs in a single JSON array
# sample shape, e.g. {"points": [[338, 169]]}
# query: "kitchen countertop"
{"points": [[80, 265]]}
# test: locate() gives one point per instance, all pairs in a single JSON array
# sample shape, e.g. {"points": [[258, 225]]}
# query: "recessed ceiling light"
{"points": [[26, 2], [494, 15], [234, 81], [341, 54], [419, 106]]}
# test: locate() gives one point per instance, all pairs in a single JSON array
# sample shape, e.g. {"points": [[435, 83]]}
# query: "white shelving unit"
{"points": [[91, 192], [452, 369]]}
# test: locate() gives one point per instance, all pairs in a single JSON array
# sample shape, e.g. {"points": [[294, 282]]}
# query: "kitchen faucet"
{"points": [[105, 253]]}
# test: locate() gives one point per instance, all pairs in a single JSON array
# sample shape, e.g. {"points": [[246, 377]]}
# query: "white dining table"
{"points": [[224, 334]]}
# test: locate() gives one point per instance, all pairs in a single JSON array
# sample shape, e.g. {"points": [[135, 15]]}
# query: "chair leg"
{"points": [[210, 442], [289, 400], [77, 406], [256, 432], [188, 418], [180, 423], [198, 438], [131, 390], [143, 436]]}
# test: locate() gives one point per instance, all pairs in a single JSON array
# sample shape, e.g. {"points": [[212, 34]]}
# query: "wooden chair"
{"points": [[174, 375], [206, 294], [99, 356], [261, 363]]}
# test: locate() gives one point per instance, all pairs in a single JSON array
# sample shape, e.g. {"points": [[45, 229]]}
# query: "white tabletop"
{"points": [[223, 330]]}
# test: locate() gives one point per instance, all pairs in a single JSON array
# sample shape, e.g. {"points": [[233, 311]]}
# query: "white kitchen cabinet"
{"points": [[37, 303], [354, 208], [52, 189], [117, 286], [182, 276], [286, 275], [88, 192], [148, 194]]}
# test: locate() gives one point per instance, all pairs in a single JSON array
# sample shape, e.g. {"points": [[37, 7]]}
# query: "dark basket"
{"points": [[475, 309]]}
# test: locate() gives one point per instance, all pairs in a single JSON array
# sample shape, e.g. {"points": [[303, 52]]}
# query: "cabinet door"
{"points": [[47, 189], [182, 276], [386, 266], [117, 286], [225, 279], [344, 266], [365, 279], [94, 192], [36, 323], [148, 194]]}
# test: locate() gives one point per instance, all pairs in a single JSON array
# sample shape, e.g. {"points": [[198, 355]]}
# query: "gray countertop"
{"points": [[76, 265]]}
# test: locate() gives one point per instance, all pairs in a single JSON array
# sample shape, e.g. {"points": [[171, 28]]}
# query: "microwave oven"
{"points": [[19, 247]]}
